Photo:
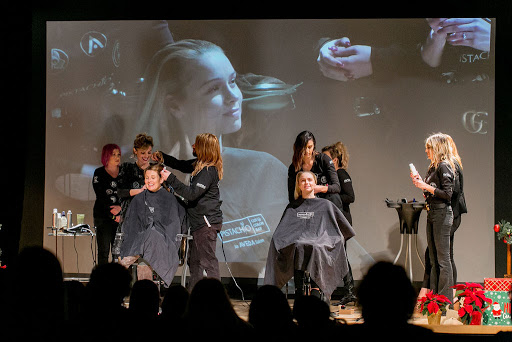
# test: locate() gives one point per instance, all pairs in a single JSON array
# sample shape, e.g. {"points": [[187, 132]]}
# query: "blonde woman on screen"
{"points": [[190, 88]]}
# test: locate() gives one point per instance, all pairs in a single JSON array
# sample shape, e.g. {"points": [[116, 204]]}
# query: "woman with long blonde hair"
{"points": [[438, 189], [203, 202], [309, 243], [458, 203], [191, 87]]}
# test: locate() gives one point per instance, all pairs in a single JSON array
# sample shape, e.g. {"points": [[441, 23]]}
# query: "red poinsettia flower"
{"points": [[433, 307], [476, 318], [431, 303], [459, 287], [474, 302], [465, 309]]}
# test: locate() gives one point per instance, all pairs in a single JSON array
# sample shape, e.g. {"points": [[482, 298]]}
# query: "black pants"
{"points": [[440, 251], [428, 265], [105, 235], [202, 254]]}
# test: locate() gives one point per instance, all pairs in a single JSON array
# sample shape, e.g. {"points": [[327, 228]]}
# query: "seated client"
{"points": [[309, 238]]}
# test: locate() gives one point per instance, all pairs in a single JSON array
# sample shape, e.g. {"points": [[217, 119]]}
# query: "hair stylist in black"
{"points": [[339, 155], [458, 202], [106, 207], [203, 202], [438, 189], [305, 158]]}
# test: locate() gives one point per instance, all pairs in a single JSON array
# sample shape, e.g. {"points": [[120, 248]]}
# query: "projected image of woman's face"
{"points": [[213, 101]]}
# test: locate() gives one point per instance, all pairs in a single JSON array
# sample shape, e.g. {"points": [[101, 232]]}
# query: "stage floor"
{"points": [[352, 315]]}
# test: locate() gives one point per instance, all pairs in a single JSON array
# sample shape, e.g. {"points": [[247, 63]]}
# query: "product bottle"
{"points": [[54, 219], [59, 221], [69, 219], [413, 169], [63, 220]]}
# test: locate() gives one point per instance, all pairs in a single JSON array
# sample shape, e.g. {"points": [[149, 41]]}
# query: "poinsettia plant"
{"points": [[432, 302], [473, 302]]}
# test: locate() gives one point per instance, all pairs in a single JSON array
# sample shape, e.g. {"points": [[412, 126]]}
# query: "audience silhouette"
{"points": [[314, 320], [107, 317], [174, 304], [41, 306], [144, 300], [210, 312], [387, 299], [34, 298], [271, 315]]}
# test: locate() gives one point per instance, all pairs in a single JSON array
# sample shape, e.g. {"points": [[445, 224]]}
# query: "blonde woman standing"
{"points": [[438, 189]]}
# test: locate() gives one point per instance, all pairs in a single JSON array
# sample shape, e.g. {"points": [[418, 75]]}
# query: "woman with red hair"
{"points": [[106, 207]]}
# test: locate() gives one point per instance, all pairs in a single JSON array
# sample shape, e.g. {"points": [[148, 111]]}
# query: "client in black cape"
{"points": [[154, 219], [310, 237]]}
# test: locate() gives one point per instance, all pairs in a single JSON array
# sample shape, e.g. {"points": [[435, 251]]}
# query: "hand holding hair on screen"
{"points": [[340, 61], [472, 32]]}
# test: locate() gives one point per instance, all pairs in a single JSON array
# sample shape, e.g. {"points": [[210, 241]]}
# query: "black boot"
{"points": [[348, 289], [298, 280]]}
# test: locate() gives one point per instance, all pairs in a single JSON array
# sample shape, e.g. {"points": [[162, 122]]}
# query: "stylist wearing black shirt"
{"points": [[458, 203], [106, 207], [339, 155], [203, 202], [305, 158], [438, 189]]}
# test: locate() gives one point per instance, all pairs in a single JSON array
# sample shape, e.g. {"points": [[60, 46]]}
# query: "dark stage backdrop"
{"points": [[95, 70]]}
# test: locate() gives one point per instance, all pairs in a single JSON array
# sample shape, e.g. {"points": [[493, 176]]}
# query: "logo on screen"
{"points": [[59, 60], [244, 228], [116, 54], [475, 122], [93, 43]]}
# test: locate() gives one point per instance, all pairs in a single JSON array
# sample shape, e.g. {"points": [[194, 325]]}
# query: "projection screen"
{"points": [[95, 76]]}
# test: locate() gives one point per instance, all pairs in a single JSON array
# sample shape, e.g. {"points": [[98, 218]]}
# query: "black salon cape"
{"points": [[150, 227], [310, 236]]}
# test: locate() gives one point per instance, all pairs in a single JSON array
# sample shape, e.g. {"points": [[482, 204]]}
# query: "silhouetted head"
{"points": [[108, 285], [175, 301], [386, 294], [145, 299], [269, 308], [311, 311]]}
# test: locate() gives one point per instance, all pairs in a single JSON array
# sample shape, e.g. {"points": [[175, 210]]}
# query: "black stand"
{"points": [[409, 216]]}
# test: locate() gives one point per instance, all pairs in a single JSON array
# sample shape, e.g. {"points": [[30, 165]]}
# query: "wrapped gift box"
{"points": [[499, 311], [497, 284]]}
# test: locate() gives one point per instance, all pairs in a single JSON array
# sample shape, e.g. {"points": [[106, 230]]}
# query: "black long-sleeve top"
{"points": [[441, 178], [346, 193], [202, 195], [458, 199], [325, 172], [131, 176], [105, 188]]}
